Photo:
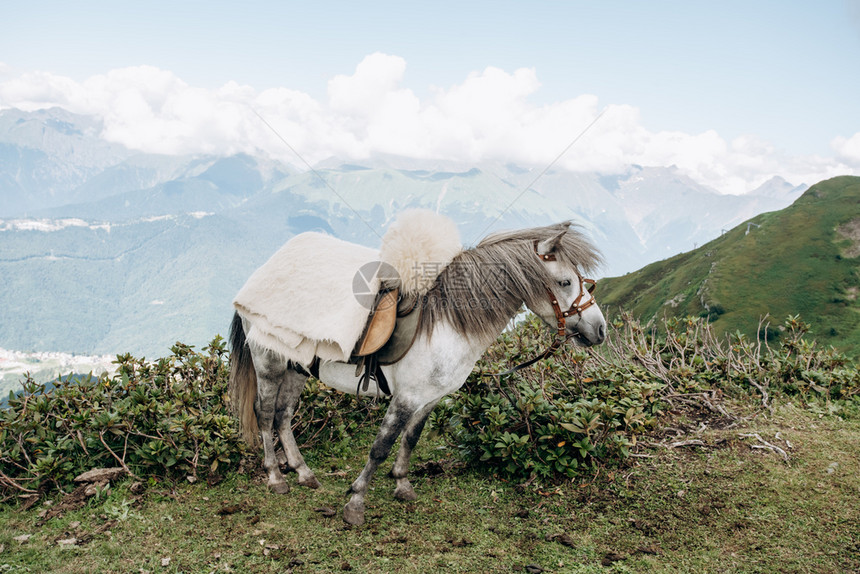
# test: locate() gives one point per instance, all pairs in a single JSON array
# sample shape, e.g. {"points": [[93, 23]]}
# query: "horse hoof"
{"points": [[405, 493], [311, 482], [280, 488], [354, 513]]}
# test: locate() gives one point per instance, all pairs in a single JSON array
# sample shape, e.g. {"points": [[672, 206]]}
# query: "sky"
{"points": [[732, 93]]}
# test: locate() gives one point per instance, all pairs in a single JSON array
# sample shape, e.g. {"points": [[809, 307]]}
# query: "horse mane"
{"points": [[483, 287]]}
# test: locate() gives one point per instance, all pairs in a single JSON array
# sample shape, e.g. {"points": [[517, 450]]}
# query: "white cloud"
{"points": [[365, 92], [848, 149], [486, 117]]}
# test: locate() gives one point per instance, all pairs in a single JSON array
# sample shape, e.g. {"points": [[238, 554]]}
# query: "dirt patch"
{"points": [[851, 232], [434, 468], [71, 501]]}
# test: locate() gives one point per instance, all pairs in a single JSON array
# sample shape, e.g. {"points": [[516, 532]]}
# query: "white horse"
{"points": [[468, 306]]}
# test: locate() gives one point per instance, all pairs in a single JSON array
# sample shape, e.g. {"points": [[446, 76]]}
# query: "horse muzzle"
{"points": [[589, 330]]}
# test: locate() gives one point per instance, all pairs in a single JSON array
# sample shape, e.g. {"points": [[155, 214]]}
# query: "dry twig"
{"points": [[766, 445], [678, 444], [785, 440], [118, 459]]}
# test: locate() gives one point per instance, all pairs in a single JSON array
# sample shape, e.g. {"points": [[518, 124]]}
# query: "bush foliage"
{"points": [[566, 415], [580, 409], [161, 419], [166, 419]]}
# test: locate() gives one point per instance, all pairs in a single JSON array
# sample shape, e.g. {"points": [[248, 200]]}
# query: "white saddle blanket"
{"points": [[301, 304]]}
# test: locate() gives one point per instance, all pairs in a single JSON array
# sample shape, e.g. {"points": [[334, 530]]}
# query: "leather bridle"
{"points": [[576, 308]]}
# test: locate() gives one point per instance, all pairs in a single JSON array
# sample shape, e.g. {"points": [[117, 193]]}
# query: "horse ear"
{"points": [[548, 246]]}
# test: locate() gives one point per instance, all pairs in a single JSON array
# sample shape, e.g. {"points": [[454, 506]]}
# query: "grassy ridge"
{"points": [[794, 262], [718, 506]]}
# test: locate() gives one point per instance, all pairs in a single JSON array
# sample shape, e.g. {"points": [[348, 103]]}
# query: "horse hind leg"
{"points": [[404, 490], [288, 400], [271, 370]]}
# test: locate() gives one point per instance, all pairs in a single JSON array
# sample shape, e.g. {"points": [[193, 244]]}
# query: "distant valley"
{"points": [[45, 367], [104, 250]]}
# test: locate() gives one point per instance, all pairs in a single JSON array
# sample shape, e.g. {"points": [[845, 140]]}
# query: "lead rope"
{"points": [[551, 350], [560, 338]]}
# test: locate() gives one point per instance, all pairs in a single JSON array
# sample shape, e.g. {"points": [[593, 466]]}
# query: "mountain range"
{"points": [[108, 250]]}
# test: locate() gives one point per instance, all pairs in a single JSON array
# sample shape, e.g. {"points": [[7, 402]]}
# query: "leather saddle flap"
{"points": [[380, 325], [401, 340]]}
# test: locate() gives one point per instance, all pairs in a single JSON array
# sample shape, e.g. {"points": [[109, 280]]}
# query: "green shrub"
{"points": [[551, 420], [805, 369], [327, 420], [565, 415], [579, 409], [166, 419], [160, 419]]}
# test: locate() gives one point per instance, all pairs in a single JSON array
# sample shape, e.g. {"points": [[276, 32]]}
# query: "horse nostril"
{"points": [[601, 333]]}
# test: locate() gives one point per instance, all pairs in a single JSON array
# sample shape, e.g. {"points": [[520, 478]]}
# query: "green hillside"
{"points": [[804, 260]]}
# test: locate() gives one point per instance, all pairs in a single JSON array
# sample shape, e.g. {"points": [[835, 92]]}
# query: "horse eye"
{"points": [[565, 283]]}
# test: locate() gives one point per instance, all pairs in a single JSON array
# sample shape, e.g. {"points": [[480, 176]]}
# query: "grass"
{"points": [[717, 507]]}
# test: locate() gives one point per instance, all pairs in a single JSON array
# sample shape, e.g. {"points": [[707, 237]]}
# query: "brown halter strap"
{"points": [[575, 308]]}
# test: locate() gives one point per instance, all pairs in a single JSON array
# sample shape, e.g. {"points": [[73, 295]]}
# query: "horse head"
{"points": [[569, 304]]}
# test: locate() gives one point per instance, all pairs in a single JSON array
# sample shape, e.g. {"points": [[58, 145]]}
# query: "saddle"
{"points": [[387, 337]]}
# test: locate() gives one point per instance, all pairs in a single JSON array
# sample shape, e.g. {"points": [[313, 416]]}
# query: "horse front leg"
{"points": [[395, 420], [404, 490]]}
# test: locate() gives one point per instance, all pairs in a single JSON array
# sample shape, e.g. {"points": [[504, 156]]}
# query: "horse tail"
{"points": [[243, 382]]}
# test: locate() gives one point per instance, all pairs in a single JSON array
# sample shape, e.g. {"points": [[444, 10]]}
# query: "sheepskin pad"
{"points": [[419, 244], [301, 303]]}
